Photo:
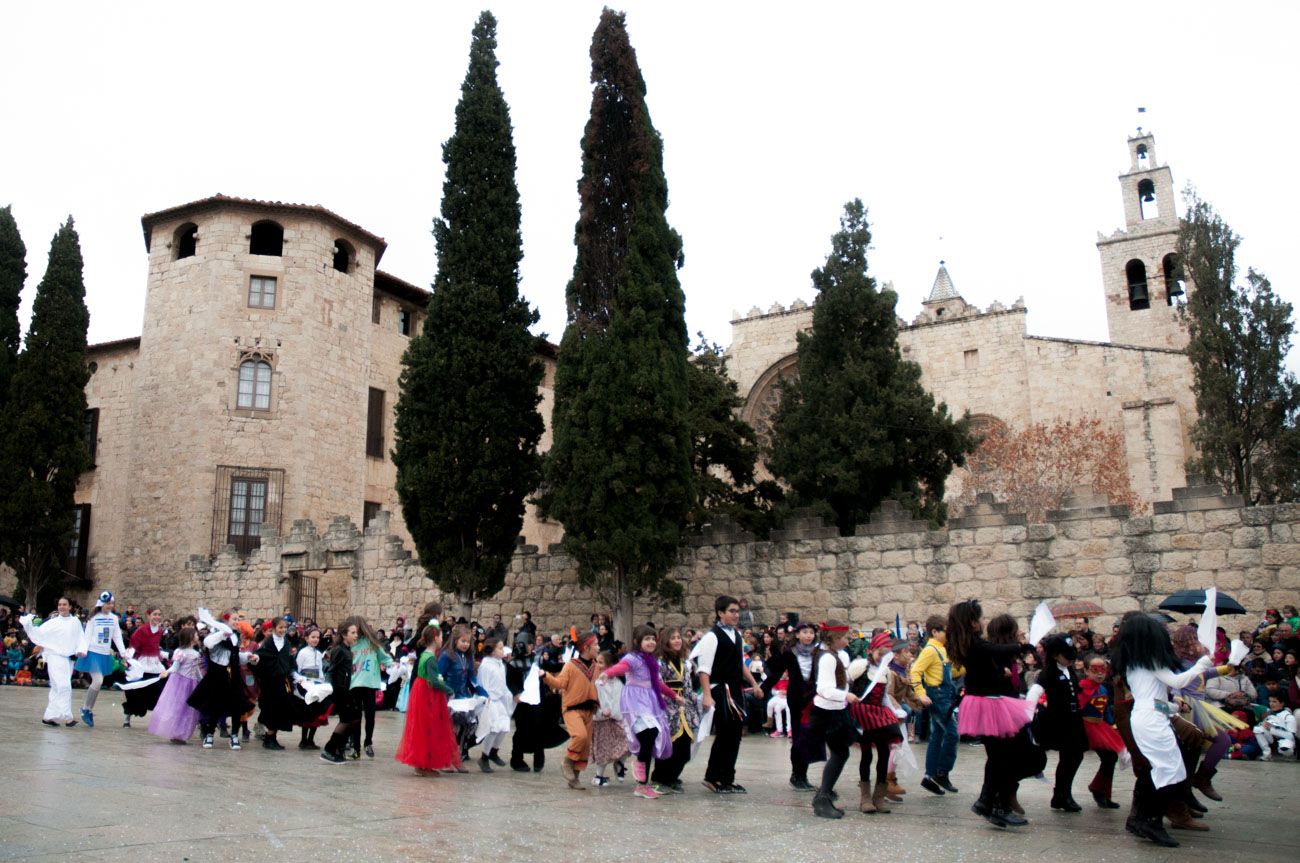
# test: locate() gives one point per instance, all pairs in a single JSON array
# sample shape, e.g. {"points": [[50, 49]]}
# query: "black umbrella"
{"points": [[9, 601], [1162, 617], [1193, 602]]}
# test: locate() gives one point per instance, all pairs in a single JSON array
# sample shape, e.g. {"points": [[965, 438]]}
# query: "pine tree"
{"points": [[13, 272], [467, 424], [618, 475], [1238, 338], [856, 426], [43, 450]]}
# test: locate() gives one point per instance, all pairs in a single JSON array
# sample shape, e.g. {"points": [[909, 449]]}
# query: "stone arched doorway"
{"points": [[764, 397]]}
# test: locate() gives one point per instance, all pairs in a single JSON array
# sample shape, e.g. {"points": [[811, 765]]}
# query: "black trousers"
{"points": [[646, 751], [366, 699], [727, 727], [669, 770], [1066, 768], [1007, 761], [881, 747]]}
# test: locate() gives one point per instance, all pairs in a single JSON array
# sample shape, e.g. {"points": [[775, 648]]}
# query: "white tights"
{"points": [[778, 710], [92, 694]]}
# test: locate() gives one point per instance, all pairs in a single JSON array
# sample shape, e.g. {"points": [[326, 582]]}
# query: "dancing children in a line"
{"points": [[879, 724], [830, 714], [274, 671], [310, 668], [494, 722], [1060, 724], [932, 680], [676, 670], [102, 634], [59, 639], [172, 717], [644, 706], [795, 666], [608, 737], [578, 701], [220, 695], [1098, 725], [428, 743], [146, 650], [338, 669], [369, 659]]}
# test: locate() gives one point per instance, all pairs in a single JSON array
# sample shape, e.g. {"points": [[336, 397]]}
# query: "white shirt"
{"points": [[102, 634], [707, 649], [829, 696], [59, 635]]}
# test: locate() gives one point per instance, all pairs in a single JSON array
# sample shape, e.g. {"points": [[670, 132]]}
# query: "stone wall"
{"points": [[892, 565]]}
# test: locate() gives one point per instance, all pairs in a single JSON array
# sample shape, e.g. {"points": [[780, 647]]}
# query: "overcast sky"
{"points": [[1001, 132]]}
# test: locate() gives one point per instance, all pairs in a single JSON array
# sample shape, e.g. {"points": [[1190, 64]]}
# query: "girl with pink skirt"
{"points": [[173, 717], [992, 710]]}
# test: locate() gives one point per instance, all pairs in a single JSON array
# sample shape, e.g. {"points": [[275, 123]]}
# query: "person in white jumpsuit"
{"points": [[59, 638]]}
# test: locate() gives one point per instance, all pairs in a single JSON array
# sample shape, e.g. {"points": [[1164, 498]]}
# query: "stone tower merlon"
{"points": [[1140, 271]]}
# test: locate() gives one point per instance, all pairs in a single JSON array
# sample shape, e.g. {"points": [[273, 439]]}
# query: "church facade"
{"points": [[986, 362]]}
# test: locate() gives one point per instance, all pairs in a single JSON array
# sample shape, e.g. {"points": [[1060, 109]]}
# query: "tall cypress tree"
{"points": [[43, 450], [13, 272], [856, 426], [467, 424], [618, 475]]}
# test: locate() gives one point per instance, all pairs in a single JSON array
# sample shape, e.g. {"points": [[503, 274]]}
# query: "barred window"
{"points": [[90, 432], [261, 292], [247, 498], [254, 385], [79, 544]]}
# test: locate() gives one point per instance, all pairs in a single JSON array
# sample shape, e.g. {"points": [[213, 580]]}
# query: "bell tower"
{"points": [[1139, 263]]}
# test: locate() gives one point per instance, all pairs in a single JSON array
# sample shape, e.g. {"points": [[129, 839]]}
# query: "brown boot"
{"points": [[893, 789], [866, 805], [1180, 817], [880, 797], [1014, 803], [1201, 782]]}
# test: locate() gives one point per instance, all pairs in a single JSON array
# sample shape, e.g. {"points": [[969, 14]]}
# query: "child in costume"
{"points": [[274, 670], [220, 695], [608, 737], [932, 676], [1212, 721], [644, 707], [59, 639], [902, 694], [369, 659], [879, 724], [1059, 725], [428, 743], [456, 665], [830, 713], [309, 665], [794, 665], [145, 651], [677, 671], [578, 701], [1277, 730], [172, 717], [494, 722], [992, 710], [103, 632], [1098, 725], [338, 670], [778, 708]]}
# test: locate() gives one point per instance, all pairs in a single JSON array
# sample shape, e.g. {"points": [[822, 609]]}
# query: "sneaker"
{"points": [[88, 717], [661, 789], [207, 741], [355, 755], [736, 788], [370, 751], [599, 781], [307, 744], [646, 791], [930, 785], [330, 757], [945, 784], [272, 744], [678, 788], [620, 771], [126, 721], [234, 743], [776, 734]]}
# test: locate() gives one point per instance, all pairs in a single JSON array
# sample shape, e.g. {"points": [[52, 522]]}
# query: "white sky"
{"points": [[1000, 131]]}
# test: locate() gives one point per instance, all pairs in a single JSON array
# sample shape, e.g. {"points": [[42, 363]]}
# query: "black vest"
{"points": [[728, 662]]}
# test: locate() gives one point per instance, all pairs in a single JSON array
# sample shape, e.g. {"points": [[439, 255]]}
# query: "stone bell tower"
{"points": [[1139, 264]]}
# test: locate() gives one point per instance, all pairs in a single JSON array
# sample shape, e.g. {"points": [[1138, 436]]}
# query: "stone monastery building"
{"points": [[260, 394], [986, 362]]}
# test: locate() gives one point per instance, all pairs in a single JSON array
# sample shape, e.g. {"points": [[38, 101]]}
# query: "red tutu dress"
{"points": [[871, 715], [428, 742], [1094, 701]]}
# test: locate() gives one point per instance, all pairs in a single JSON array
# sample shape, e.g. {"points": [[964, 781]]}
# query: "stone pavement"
{"points": [[110, 793]]}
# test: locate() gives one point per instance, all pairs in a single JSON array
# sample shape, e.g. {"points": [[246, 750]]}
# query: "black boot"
{"points": [[495, 757], [824, 808], [1065, 802], [799, 782], [1154, 829], [1003, 811]]}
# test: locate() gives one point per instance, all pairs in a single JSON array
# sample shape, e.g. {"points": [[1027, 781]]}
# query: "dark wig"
{"points": [[1002, 629], [961, 629], [1060, 645], [1143, 642]]}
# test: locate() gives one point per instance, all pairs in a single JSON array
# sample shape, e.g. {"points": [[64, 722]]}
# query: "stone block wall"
{"points": [[892, 565]]}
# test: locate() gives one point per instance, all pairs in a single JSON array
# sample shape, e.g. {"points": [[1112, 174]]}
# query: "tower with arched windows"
{"points": [[1139, 263]]}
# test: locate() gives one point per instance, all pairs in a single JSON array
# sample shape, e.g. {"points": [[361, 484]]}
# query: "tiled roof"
{"points": [[943, 288], [148, 220]]}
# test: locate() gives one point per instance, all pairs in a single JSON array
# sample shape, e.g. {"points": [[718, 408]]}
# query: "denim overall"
{"points": [[941, 751]]}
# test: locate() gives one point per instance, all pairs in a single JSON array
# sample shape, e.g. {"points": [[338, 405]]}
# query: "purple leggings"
{"points": [[1218, 748]]}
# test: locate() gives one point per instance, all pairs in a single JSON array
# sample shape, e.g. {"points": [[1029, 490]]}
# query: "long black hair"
{"points": [[961, 629], [1143, 642]]}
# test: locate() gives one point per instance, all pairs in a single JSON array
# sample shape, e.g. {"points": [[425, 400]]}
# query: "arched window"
{"points": [[343, 255], [254, 384], [1147, 200], [185, 240], [1136, 273], [1174, 285], [267, 238], [1143, 159]]}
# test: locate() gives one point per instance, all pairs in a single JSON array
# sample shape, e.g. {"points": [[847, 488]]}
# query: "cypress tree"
{"points": [[618, 475], [13, 272], [467, 424], [856, 426], [43, 450], [1247, 403]]}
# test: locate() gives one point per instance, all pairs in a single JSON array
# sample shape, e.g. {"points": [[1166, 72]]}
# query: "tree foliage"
{"points": [[1035, 468], [13, 272], [618, 475], [724, 448], [467, 424], [856, 426], [1238, 338], [42, 447]]}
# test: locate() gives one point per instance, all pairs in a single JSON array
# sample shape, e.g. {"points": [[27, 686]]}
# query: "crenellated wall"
{"points": [[892, 565]]}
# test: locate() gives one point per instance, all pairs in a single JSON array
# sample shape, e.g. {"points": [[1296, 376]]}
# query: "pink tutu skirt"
{"points": [[991, 716], [173, 718]]}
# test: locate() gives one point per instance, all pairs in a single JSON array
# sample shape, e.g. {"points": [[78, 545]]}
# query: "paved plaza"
{"points": [[111, 793]]}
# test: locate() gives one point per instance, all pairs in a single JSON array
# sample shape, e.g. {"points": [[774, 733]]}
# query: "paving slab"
{"points": [[112, 793]]}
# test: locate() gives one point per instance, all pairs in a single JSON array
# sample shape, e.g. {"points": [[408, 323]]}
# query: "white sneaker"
{"points": [[207, 741], [599, 781]]}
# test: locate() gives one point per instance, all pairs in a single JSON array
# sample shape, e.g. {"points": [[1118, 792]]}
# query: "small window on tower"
{"points": [[266, 238], [1147, 200], [405, 322], [1135, 272], [1174, 285], [186, 240], [343, 255]]}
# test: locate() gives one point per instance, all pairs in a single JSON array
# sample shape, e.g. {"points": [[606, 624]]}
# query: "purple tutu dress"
{"points": [[173, 718], [641, 705]]}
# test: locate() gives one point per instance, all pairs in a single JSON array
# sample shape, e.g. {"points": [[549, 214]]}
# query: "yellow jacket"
{"points": [[927, 668]]}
